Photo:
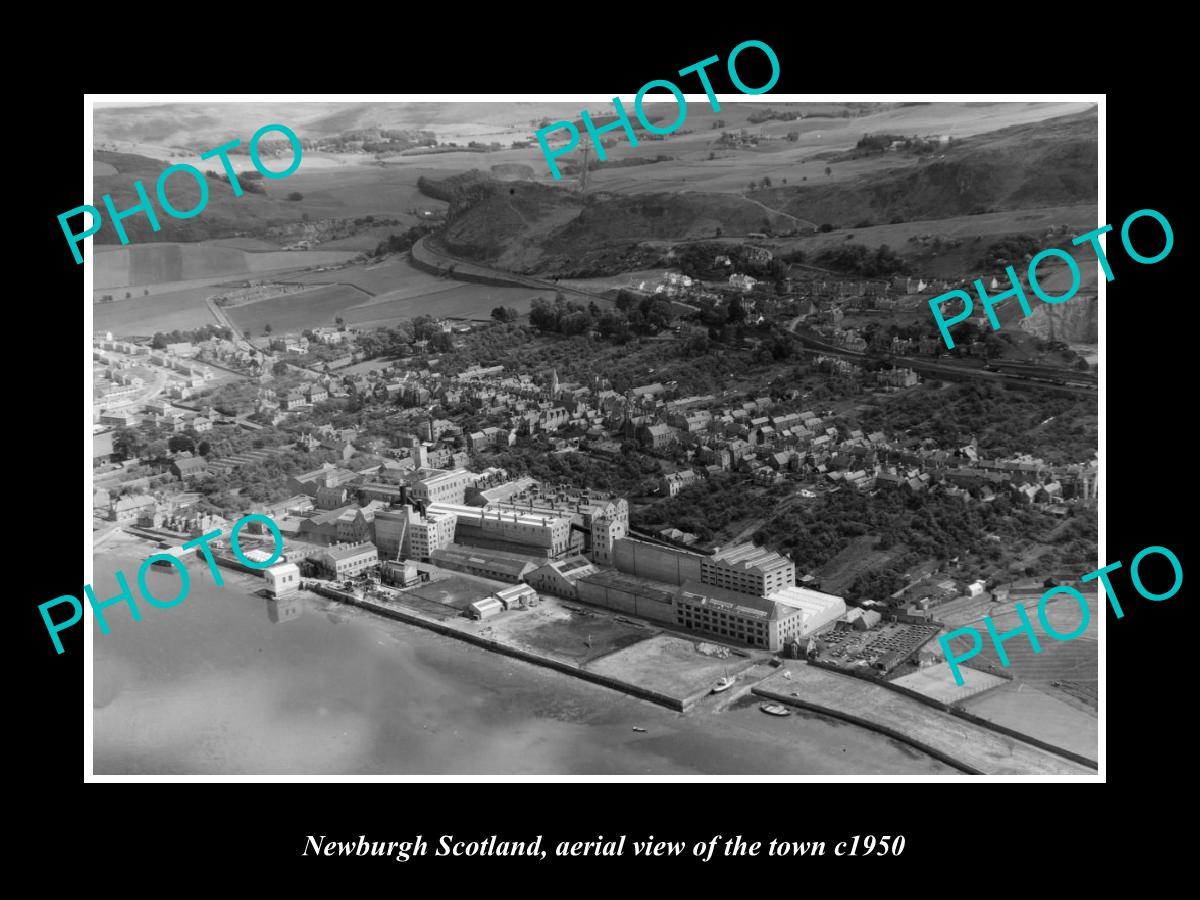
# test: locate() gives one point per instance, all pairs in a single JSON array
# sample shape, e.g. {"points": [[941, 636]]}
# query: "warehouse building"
{"points": [[341, 563]]}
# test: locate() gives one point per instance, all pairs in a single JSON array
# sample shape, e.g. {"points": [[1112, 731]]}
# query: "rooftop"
{"points": [[342, 553], [513, 564], [655, 590], [747, 556]]}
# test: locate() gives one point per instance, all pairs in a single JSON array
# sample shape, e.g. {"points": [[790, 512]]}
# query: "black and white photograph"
{"points": [[503, 436]]}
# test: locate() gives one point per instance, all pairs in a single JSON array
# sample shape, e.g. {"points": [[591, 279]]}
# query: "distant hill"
{"points": [[224, 216], [533, 228], [530, 227], [1049, 163]]}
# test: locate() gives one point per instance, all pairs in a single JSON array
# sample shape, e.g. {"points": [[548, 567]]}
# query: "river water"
{"points": [[229, 683]]}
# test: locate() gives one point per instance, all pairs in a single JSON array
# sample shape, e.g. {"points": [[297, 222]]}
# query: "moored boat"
{"points": [[723, 685], [774, 709]]}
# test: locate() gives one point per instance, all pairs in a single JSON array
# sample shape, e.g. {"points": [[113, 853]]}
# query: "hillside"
{"points": [[224, 216], [532, 228], [1050, 163], [528, 227]]}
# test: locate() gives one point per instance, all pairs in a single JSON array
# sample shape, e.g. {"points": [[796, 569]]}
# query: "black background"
{"points": [[982, 836]]}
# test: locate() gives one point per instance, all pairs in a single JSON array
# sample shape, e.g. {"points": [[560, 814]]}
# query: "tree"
{"points": [[267, 328], [247, 334], [766, 182], [828, 171], [542, 315], [659, 315], [574, 323], [280, 368]]}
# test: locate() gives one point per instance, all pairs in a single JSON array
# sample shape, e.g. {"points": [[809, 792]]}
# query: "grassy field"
{"points": [[670, 664], [1073, 663], [401, 292], [295, 312], [343, 184], [183, 309], [324, 304], [148, 265], [581, 638], [1040, 715], [471, 301], [378, 278]]}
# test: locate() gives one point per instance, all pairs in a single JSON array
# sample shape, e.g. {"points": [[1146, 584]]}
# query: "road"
{"points": [[426, 255]]}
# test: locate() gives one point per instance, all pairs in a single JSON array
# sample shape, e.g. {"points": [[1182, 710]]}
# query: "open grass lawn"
{"points": [[378, 278], [295, 312], [144, 315], [582, 638], [1074, 660]]}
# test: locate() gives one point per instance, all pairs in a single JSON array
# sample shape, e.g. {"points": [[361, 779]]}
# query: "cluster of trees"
{"points": [[563, 316], [594, 164], [398, 243], [264, 482], [696, 260], [768, 114], [1011, 250], [397, 340], [857, 259], [203, 333], [634, 314], [878, 143], [251, 180], [628, 475], [1058, 429], [707, 509], [922, 525]]}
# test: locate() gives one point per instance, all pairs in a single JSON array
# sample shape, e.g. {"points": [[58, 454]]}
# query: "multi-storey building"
{"points": [[748, 570], [546, 533], [426, 532], [346, 562], [440, 485]]}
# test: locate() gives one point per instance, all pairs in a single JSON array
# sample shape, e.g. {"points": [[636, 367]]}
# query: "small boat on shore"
{"points": [[639, 728], [723, 684], [774, 709]]}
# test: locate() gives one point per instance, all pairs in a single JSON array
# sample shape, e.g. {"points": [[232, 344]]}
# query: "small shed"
{"points": [[485, 608], [282, 579]]}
